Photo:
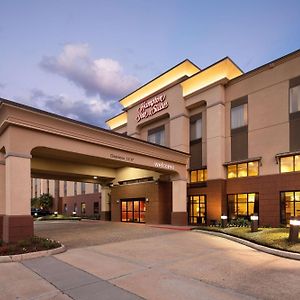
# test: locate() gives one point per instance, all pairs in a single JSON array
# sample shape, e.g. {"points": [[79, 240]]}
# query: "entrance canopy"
{"points": [[39, 144]]}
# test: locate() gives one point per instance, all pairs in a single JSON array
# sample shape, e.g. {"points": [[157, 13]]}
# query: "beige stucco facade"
{"points": [[208, 121]]}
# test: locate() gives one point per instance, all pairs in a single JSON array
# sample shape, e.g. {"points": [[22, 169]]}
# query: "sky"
{"points": [[77, 58]]}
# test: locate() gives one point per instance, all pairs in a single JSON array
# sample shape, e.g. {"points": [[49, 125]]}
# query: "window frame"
{"points": [[204, 175], [281, 193], [155, 130], [256, 199], [240, 163], [294, 163], [236, 103]]}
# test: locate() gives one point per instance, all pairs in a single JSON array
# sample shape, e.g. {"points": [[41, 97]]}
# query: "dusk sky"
{"points": [[78, 58]]}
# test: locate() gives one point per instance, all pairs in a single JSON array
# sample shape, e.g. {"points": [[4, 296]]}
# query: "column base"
{"points": [[16, 228], [179, 218], [105, 215]]}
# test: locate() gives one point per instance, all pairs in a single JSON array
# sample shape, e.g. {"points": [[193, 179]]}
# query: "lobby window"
{"points": [[239, 116], [83, 207], [289, 163], [197, 209], [157, 135], [243, 169], [289, 206], [242, 205], [198, 175], [82, 187]]}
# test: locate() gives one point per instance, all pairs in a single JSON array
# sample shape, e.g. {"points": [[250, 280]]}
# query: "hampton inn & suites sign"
{"points": [[152, 106]]}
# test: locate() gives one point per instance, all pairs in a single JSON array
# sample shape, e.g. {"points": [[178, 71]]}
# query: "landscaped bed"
{"points": [[57, 217], [271, 237], [32, 244]]}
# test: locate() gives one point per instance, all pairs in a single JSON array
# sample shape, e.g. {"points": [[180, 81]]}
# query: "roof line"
{"points": [[160, 76], [215, 63], [241, 77], [33, 109]]}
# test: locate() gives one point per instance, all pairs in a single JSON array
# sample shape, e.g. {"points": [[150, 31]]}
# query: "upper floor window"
{"points": [[244, 169], [239, 116], [295, 95], [196, 129], [65, 188], [198, 175], [82, 187], [289, 163], [157, 135], [75, 188]]}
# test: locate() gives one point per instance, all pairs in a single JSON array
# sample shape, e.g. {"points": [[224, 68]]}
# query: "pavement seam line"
{"points": [[99, 279]]}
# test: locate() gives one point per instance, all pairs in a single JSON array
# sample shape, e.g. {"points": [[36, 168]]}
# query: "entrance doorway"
{"points": [[197, 209], [133, 210]]}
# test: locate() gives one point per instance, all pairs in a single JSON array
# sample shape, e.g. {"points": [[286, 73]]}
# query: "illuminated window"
{"points": [[242, 205], [289, 206], [198, 175], [197, 209], [232, 171], [295, 99], [157, 135], [242, 170], [289, 163], [239, 116]]}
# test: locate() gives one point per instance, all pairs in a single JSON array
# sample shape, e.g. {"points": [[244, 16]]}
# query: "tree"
{"points": [[45, 202]]}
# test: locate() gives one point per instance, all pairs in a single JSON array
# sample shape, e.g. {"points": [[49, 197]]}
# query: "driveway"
{"points": [[137, 261]]}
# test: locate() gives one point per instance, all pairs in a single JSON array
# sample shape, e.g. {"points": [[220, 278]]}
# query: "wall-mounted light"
{"points": [[147, 199], [118, 201]]}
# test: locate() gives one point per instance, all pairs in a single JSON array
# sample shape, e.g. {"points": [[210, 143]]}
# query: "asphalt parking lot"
{"points": [[133, 261]]}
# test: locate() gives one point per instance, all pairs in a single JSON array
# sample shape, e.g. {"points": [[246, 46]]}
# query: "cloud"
{"points": [[103, 76], [89, 110]]}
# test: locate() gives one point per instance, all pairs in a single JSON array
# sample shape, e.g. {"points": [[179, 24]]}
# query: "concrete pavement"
{"points": [[162, 265]]}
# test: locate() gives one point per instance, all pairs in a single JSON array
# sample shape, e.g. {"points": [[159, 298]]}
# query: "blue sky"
{"points": [[78, 58]]}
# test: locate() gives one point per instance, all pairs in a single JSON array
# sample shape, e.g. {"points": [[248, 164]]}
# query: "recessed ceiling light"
{"points": [[95, 177]]}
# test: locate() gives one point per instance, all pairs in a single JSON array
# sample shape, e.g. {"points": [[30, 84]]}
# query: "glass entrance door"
{"points": [[197, 209], [133, 210]]}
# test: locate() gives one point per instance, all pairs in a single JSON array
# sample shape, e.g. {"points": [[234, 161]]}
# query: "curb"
{"points": [[31, 255], [277, 252]]}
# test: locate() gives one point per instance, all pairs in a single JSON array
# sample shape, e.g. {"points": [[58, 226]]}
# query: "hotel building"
{"points": [[191, 145], [242, 131]]}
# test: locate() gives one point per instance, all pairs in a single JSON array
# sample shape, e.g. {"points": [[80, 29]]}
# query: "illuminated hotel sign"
{"points": [[152, 106]]}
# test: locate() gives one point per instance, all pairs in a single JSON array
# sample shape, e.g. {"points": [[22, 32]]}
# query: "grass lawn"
{"points": [[271, 237]]}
